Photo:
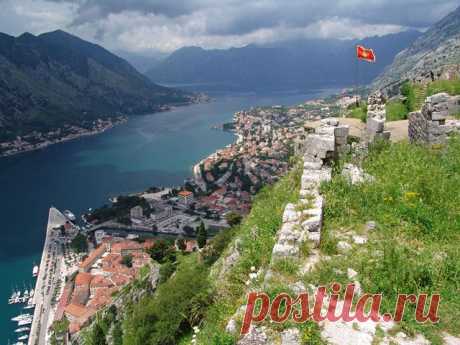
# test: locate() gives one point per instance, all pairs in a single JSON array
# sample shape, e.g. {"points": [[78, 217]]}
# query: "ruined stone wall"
{"points": [[431, 125], [376, 117]]}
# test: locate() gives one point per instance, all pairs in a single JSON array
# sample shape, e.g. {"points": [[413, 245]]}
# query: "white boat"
{"points": [[69, 215], [29, 306], [23, 337], [21, 317], [31, 293], [25, 322], [22, 329], [35, 271], [19, 343]]}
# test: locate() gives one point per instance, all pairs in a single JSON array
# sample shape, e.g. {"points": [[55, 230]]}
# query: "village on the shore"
{"points": [[84, 266]]}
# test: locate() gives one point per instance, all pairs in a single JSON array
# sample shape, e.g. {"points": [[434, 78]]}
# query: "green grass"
{"points": [[396, 110], [288, 267], [256, 237], [356, 112], [452, 87], [415, 201]]}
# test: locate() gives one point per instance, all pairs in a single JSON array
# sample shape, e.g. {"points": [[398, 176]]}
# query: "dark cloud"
{"points": [[140, 25]]}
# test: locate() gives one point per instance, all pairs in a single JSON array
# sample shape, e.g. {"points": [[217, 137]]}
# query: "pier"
{"points": [[47, 280]]}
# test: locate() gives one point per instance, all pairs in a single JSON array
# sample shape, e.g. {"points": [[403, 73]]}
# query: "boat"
{"points": [[35, 271], [21, 317], [70, 216], [23, 337], [22, 329], [19, 343], [29, 306], [25, 322]]}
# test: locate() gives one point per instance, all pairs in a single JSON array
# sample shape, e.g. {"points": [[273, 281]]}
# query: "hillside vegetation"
{"points": [[414, 249]]}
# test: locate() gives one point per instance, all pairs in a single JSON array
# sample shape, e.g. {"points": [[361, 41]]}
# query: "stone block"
{"points": [[313, 165], [341, 131], [375, 125], [439, 115], [312, 224], [438, 98], [325, 130]]}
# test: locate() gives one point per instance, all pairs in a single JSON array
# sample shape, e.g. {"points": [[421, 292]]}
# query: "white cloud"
{"points": [[165, 25]]}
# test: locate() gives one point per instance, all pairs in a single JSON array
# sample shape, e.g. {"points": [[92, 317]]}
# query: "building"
{"points": [[137, 212], [185, 197]]}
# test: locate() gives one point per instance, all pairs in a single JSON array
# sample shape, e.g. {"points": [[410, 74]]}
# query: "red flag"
{"points": [[365, 54]]}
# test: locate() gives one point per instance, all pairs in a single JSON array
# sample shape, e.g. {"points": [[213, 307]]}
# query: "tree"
{"points": [[127, 260], [162, 251], [202, 235], [233, 218], [79, 244], [98, 336]]}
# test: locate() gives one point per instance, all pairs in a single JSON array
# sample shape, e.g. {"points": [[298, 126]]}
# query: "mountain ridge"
{"points": [[289, 65], [57, 78], [433, 55]]}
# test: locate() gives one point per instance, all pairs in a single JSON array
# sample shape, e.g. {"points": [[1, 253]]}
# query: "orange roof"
{"points": [[93, 256], [185, 193], [100, 281], [75, 310], [118, 247], [83, 279], [74, 327]]}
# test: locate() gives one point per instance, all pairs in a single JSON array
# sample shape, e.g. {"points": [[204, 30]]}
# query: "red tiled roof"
{"points": [[185, 193], [75, 310], [83, 278]]}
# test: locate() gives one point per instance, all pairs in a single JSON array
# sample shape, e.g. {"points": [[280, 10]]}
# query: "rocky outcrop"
{"points": [[434, 55], [431, 125]]}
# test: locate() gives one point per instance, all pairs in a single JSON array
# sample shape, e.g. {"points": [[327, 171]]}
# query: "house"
{"points": [[185, 197], [137, 212]]}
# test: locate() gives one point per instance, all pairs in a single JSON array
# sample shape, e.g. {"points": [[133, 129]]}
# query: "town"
{"points": [[38, 140]]}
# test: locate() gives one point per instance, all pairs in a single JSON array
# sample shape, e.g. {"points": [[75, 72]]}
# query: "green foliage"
{"points": [[233, 218], [127, 260], [310, 334], [177, 305], [414, 200], [256, 238], [117, 334], [217, 245], [358, 112], [396, 110], [180, 243], [201, 235], [120, 210], [163, 251], [166, 271], [286, 266], [407, 90], [79, 244], [98, 336], [452, 87]]}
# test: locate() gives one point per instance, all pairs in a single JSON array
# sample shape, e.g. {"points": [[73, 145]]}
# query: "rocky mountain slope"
{"points": [[56, 78], [435, 54], [290, 65]]}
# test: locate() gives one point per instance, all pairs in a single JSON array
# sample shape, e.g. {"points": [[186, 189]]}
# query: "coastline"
{"points": [[45, 144]]}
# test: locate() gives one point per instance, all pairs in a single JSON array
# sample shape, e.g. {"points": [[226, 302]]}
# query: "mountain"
{"points": [[55, 78], [141, 62], [292, 65], [432, 53]]}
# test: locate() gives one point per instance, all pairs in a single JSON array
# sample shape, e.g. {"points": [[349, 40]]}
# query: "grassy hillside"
{"points": [[415, 202]]}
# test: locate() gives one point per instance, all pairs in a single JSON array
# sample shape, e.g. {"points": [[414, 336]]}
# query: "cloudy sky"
{"points": [[149, 26]]}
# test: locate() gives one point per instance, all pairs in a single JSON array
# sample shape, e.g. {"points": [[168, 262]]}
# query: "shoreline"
{"points": [[70, 137]]}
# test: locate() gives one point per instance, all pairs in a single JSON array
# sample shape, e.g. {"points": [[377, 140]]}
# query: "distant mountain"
{"points": [[142, 63], [56, 78], [433, 52], [292, 65]]}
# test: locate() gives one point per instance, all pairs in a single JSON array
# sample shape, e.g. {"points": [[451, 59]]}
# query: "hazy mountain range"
{"points": [[290, 65], [56, 78], [431, 52]]}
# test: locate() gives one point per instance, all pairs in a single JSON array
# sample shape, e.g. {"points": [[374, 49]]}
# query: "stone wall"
{"points": [[376, 117], [304, 221], [431, 125]]}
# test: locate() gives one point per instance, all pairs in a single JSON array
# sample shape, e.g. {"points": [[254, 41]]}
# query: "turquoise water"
{"points": [[157, 149]]}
